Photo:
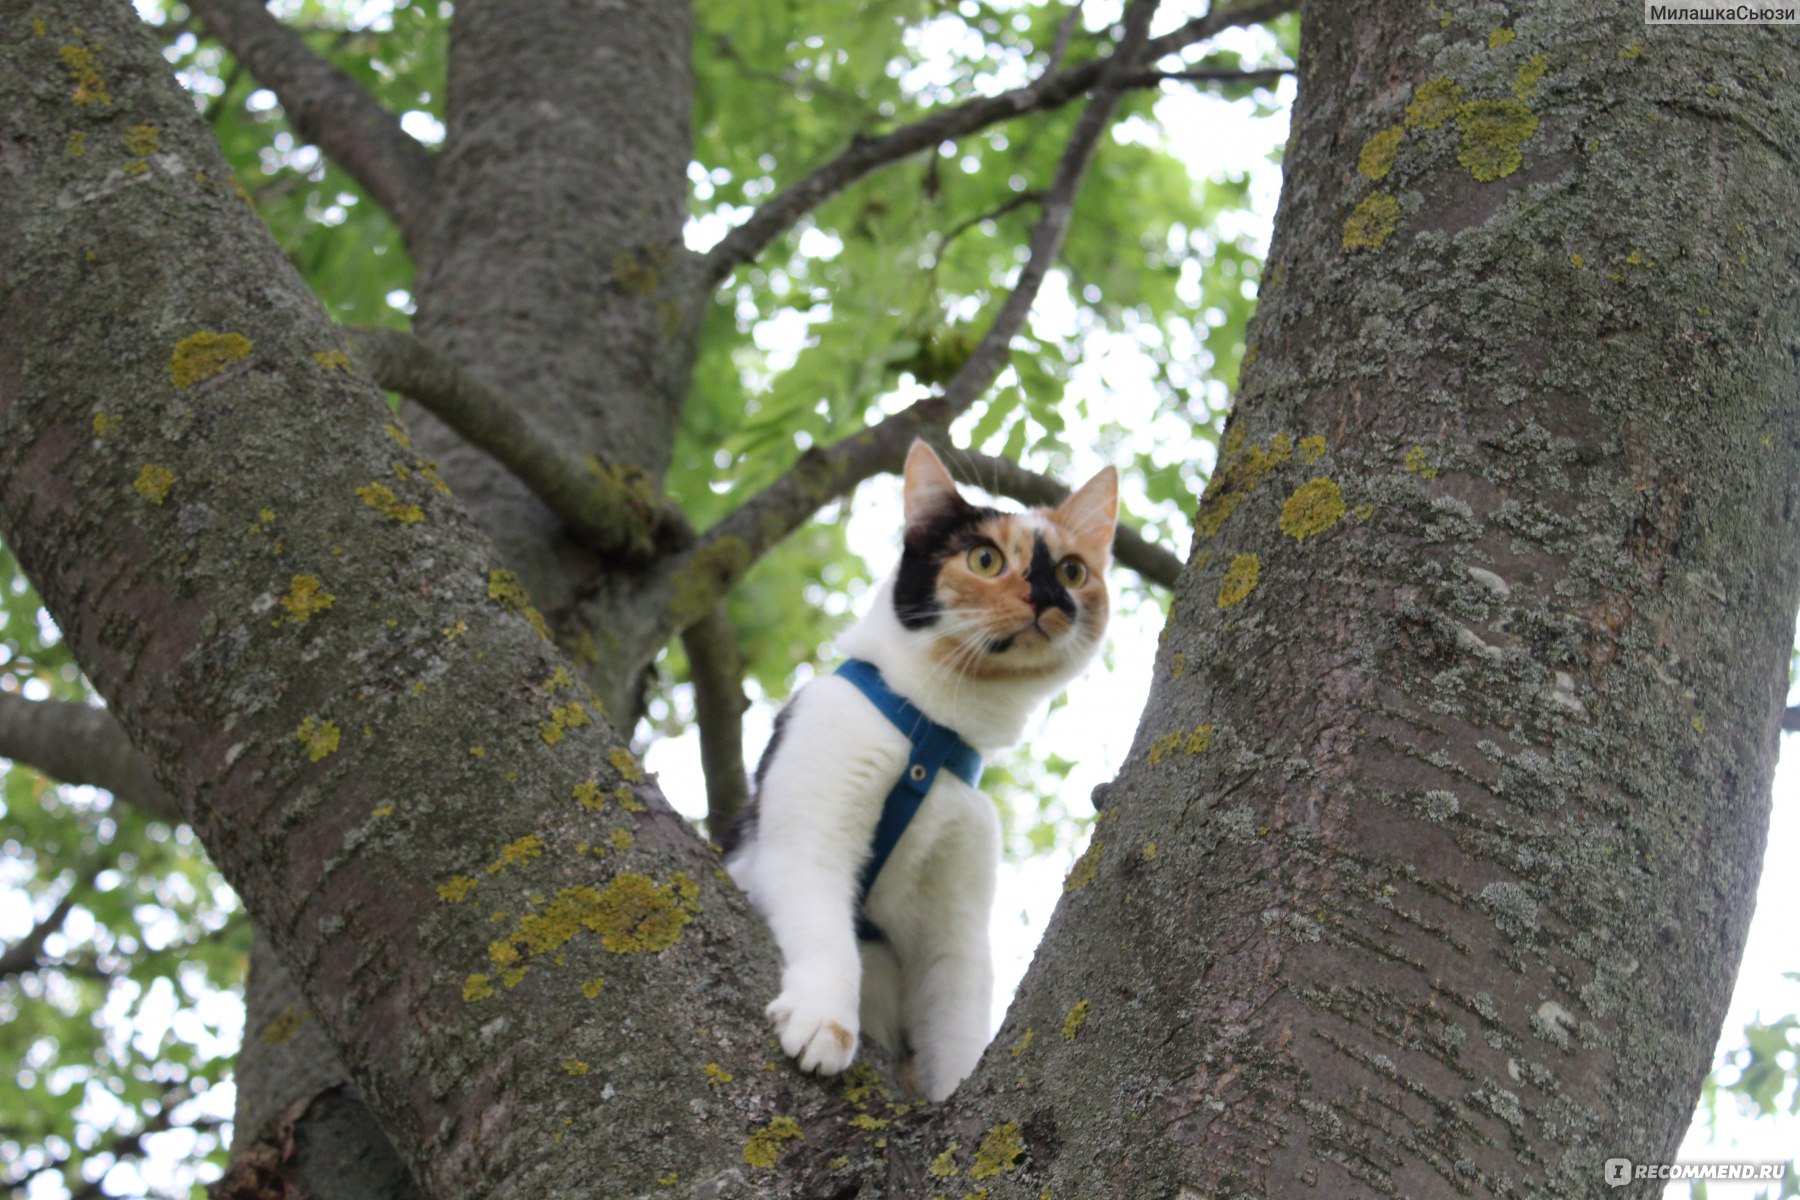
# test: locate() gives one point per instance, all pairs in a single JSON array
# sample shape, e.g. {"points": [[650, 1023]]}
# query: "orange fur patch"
{"points": [[1000, 607]]}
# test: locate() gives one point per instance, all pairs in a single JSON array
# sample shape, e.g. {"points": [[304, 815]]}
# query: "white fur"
{"points": [[818, 804]]}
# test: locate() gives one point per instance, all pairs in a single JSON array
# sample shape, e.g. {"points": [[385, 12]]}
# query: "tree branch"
{"points": [[82, 744], [717, 671], [1790, 719], [1130, 548], [726, 551], [1264, 76], [611, 508], [866, 154], [330, 109]]}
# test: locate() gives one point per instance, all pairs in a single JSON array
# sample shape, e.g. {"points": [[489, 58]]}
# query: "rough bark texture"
{"points": [[1439, 841]]}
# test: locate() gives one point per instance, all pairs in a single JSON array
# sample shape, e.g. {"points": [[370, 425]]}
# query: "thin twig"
{"points": [[820, 476], [866, 154], [330, 109], [612, 509], [1260, 76], [717, 671]]}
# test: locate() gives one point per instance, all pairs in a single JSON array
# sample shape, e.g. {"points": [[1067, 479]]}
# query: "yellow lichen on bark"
{"points": [[200, 356]]}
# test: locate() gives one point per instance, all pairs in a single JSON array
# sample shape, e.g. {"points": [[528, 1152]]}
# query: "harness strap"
{"points": [[934, 747]]}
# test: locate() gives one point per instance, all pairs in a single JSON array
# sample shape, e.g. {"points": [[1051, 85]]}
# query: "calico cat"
{"points": [[988, 614]]}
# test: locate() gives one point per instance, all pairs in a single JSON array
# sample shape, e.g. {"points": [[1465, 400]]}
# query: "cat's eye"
{"points": [[986, 561], [1072, 572]]}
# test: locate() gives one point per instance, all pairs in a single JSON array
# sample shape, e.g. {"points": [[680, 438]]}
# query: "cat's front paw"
{"points": [[821, 1036]]}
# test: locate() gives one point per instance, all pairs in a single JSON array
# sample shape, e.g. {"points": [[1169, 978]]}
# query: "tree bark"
{"points": [[1444, 819]]}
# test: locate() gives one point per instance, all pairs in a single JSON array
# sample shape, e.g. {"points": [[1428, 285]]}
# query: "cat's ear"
{"points": [[929, 491], [1092, 511]]}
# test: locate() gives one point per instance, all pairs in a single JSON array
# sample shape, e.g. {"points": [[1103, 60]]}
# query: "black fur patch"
{"points": [[1047, 591], [745, 825], [949, 531]]}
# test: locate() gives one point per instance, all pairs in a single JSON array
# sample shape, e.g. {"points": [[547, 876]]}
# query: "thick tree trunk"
{"points": [[1441, 832]]}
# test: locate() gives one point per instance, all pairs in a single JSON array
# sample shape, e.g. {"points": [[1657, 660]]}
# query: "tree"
{"points": [[1442, 827]]}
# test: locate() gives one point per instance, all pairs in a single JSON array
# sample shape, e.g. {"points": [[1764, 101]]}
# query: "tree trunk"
{"points": [[1443, 825]]}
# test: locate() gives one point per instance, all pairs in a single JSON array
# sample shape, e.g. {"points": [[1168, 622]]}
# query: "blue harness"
{"points": [[934, 747]]}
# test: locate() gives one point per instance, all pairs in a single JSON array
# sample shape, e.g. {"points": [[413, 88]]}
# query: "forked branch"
{"points": [[330, 109], [610, 508]]}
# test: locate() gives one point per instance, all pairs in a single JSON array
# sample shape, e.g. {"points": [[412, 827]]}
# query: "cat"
{"points": [[987, 615]]}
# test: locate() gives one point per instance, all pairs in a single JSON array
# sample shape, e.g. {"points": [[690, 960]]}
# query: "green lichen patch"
{"points": [[1377, 156], [320, 738], [1372, 222], [456, 889], [84, 68], [1215, 511], [1525, 83], [333, 360], [867, 1123], [1240, 579], [764, 1147], [200, 356], [1418, 462], [505, 588], [569, 716], [1312, 449], [714, 568], [999, 1152], [1074, 1019], [1085, 868], [1199, 741], [153, 483], [633, 914], [716, 1076], [620, 838], [1021, 1046], [306, 598], [1164, 746], [628, 799], [76, 145], [429, 473], [284, 1026], [517, 853], [626, 764], [944, 1165], [1492, 133], [574, 1066], [1500, 37], [1433, 103], [380, 497], [398, 433], [591, 988], [587, 794], [1313, 508], [141, 140], [477, 987]]}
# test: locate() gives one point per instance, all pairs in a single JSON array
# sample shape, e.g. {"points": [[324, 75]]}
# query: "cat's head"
{"points": [[1003, 595]]}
